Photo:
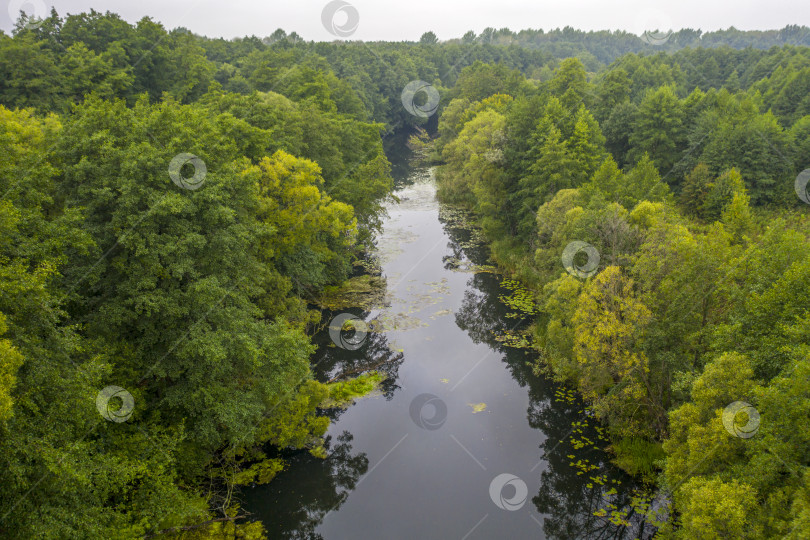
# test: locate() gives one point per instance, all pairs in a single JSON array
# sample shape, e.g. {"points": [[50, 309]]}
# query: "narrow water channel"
{"points": [[463, 441]]}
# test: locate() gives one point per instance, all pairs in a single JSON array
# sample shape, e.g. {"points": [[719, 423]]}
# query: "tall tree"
{"points": [[658, 130]]}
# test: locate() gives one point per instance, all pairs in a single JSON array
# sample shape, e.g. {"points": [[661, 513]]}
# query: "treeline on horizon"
{"points": [[60, 60], [606, 45], [197, 301]]}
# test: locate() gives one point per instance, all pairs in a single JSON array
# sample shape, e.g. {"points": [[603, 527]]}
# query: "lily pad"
{"points": [[477, 407]]}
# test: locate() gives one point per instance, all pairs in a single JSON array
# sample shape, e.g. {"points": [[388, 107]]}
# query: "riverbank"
{"points": [[459, 408]]}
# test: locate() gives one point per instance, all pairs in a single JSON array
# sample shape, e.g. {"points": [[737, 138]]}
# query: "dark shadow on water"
{"points": [[331, 362], [311, 488], [567, 500], [400, 156]]}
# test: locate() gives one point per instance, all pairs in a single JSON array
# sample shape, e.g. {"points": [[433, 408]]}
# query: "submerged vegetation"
{"points": [[365, 291]]}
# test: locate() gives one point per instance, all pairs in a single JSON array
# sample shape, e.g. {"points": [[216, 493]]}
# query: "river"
{"points": [[462, 441]]}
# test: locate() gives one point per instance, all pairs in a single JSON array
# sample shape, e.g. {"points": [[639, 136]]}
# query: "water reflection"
{"points": [[312, 488], [572, 499], [396, 149], [434, 485], [332, 363]]}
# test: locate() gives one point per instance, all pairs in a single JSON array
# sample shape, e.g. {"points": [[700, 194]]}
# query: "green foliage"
{"points": [[762, 159], [658, 128], [191, 300], [195, 300], [721, 193], [695, 190], [480, 80], [556, 169], [10, 362], [717, 509], [608, 325], [473, 176], [692, 308], [569, 83], [638, 456], [344, 393]]}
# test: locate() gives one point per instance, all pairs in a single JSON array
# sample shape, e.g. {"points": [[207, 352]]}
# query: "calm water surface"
{"points": [[403, 465]]}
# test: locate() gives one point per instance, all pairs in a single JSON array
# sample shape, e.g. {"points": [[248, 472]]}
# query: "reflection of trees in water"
{"points": [[483, 316], [565, 500], [298, 500], [399, 155], [334, 363], [564, 497], [479, 315], [305, 495]]}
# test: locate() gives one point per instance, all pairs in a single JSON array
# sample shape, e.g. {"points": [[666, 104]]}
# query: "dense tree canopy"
{"points": [[681, 179], [170, 204]]}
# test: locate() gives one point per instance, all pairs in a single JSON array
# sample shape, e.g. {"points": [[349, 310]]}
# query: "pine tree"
{"points": [[710, 73], [642, 183], [658, 130], [732, 83], [570, 83], [607, 180], [556, 169], [721, 193], [613, 90], [737, 213], [695, 189], [587, 144]]}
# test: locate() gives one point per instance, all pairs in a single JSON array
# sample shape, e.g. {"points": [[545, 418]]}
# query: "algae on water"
{"points": [[365, 292]]}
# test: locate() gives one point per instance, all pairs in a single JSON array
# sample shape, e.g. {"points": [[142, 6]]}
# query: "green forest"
{"points": [[688, 291], [174, 207]]}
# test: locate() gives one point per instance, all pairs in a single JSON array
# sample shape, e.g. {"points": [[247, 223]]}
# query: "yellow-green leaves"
{"points": [[715, 509], [291, 201], [10, 361], [609, 324]]}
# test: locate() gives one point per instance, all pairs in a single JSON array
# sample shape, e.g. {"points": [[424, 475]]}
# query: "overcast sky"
{"points": [[408, 19]]}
